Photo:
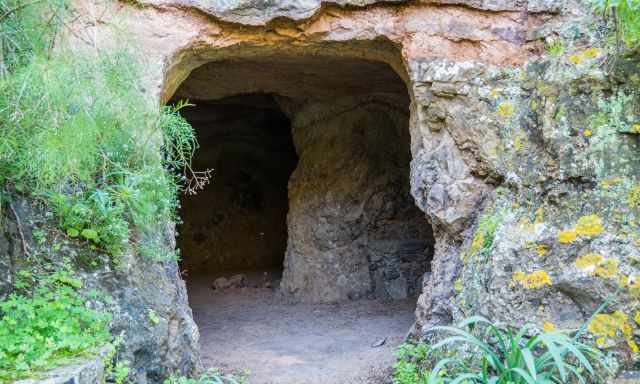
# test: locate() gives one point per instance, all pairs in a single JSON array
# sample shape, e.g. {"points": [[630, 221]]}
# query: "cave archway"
{"points": [[311, 155]]}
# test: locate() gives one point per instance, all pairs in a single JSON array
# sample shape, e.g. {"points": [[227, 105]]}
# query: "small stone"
{"points": [[220, 283], [238, 281], [379, 342]]}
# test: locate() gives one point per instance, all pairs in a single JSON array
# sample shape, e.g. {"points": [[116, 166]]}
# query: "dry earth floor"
{"points": [[254, 330]]}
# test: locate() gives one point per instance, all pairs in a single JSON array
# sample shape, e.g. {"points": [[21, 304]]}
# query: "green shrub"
{"points": [[28, 28], [410, 366], [626, 15], [43, 327], [556, 49], [79, 134]]}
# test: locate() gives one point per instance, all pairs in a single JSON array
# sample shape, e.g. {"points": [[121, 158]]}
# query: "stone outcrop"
{"points": [[353, 229], [147, 299]]}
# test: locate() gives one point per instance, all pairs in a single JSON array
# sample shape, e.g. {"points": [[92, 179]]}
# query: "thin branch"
{"points": [[19, 7], [25, 246]]}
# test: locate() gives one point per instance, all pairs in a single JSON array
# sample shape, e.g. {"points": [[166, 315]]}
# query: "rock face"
{"points": [[84, 371], [353, 229], [524, 159], [147, 299]]}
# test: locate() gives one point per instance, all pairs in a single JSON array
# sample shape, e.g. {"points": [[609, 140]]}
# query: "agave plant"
{"points": [[513, 358]]}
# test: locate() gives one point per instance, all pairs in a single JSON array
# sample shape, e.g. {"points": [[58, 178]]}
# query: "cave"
{"points": [[238, 223], [309, 204]]}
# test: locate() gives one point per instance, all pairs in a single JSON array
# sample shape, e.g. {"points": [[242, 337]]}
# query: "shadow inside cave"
{"points": [[309, 204]]}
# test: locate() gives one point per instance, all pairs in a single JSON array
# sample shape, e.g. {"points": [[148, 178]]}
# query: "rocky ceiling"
{"points": [[301, 77]]}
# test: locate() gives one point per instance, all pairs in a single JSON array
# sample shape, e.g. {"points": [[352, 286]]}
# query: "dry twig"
{"points": [[25, 246]]}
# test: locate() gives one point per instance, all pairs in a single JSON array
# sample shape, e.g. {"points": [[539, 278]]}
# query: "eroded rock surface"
{"points": [[147, 299], [353, 228]]}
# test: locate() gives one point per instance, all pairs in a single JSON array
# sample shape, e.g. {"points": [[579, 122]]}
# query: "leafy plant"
{"points": [[46, 326], [626, 18], [213, 376], [79, 135], [410, 365], [556, 48], [485, 232], [513, 358], [120, 372]]}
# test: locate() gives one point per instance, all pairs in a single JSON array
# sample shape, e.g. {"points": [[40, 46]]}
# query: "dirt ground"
{"points": [[253, 330]]}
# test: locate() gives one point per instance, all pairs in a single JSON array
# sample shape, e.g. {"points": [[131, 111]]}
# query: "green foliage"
{"points": [[78, 134], [213, 376], [500, 356], [410, 365], [28, 28], [120, 372], [485, 232], [626, 15], [47, 325], [153, 318], [556, 49]]}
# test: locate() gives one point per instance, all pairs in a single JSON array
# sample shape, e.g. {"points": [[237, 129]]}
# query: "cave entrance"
{"points": [[311, 158], [237, 225]]}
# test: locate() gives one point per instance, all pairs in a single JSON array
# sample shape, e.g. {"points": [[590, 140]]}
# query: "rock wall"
{"points": [[354, 230], [147, 299]]}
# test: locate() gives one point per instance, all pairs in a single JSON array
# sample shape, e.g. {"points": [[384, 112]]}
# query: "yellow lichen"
{"points": [[635, 128], [612, 181], [596, 265], [539, 215], [589, 226], [478, 242], [601, 341], [607, 269], [567, 236], [588, 261], [506, 109], [533, 280], [636, 318], [623, 281], [548, 326], [634, 197], [610, 324], [576, 59], [457, 285], [591, 52], [632, 345], [587, 133], [634, 282], [541, 249], [518, 142]]}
